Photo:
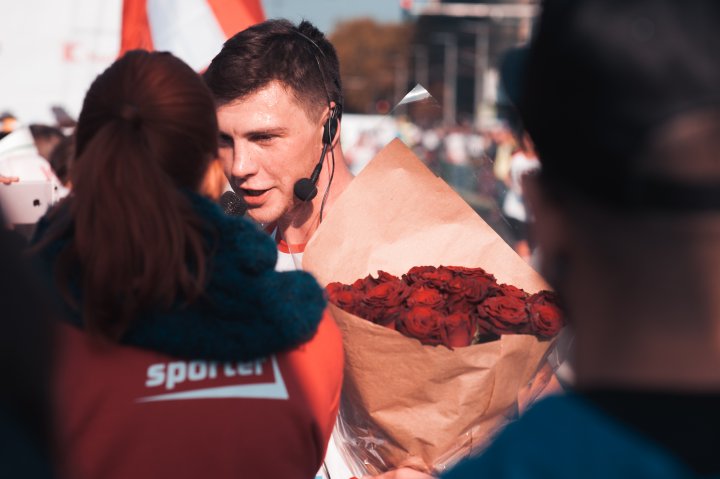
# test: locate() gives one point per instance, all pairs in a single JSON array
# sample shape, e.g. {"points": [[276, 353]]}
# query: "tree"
{"points": [[373, 62]]}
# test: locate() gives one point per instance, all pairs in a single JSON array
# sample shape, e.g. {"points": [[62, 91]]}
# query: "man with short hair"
{"points": [[279, 103], [622, 101]]}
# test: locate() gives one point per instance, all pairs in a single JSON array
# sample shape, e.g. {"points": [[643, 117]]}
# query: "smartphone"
{"points": [[25, 202]]}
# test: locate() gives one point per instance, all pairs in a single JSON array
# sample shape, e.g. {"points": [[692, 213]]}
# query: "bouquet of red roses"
{"points": [[410, 403], [453, 306]]}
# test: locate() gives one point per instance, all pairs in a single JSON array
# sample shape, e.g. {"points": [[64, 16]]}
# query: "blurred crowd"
{"points": [[42, 153], [149, 333], [485, 166]]}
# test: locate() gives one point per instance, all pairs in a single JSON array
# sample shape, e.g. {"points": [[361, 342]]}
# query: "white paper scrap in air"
{"points": [[418, 93]]}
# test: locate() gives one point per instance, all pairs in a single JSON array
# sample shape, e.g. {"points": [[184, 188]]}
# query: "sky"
{"points": [[326, 13], [50, 51]]}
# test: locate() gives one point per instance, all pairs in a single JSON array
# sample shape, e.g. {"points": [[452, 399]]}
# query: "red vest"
{"points": [[124, 412]]}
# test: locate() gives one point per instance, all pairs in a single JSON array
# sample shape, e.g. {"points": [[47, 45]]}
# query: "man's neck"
{"points": [[298, 226]]}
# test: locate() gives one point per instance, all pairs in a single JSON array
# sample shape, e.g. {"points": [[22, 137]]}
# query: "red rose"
{"points": [[424, 296], [333, 288], [386, 295], [388, 317], [423, 323], [459, 329], [510, 290], [371, 314], [364, 284], [457, 303], [477, 289], [544, 297], [455, 285], [485, 332], [483, 327], [546, 318], [453, 305], [416, 273], [471, 272], [384, 277], [346, 299], [505, 314], [439, 278]]}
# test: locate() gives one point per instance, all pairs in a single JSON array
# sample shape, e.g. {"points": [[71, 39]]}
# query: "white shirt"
{"points": [[334, 466], [514, 205]]}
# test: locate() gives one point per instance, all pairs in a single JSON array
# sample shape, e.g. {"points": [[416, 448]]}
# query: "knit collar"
{"points": [[248, 310]]}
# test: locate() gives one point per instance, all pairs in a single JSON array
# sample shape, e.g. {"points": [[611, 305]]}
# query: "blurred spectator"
{"points": [[22, 163], [25, 423], [431, 141], [62, 158], [63, 118], [456, 168], [24, 153], [361, 152], [633, 87], [46, 139], [475, 144], [522, 162], [8, 122], [503, 148]]}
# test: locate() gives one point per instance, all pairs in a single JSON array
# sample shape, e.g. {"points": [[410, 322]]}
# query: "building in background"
{"points": [[458, 49]]}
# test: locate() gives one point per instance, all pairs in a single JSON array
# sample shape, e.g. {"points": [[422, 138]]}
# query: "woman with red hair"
{"points": [[183, 353]]}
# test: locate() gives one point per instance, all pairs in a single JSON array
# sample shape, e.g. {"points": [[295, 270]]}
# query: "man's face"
{"points": [[267, 143]]}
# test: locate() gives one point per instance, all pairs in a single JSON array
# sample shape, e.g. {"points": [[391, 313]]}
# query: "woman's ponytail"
{"points": [[147, 132]]}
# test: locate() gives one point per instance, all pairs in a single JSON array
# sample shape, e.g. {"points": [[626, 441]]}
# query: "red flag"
{"points": [[193, 30], [237, 15], [135, 27]]}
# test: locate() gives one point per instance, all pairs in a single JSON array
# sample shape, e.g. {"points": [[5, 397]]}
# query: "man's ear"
{"points": [[332, 108]]}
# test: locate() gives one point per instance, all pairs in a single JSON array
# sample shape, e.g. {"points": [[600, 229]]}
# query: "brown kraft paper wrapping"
{"points": [[406, 404]]}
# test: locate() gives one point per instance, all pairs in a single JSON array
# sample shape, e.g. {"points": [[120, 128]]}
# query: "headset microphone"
{"points": [[305, 189]]}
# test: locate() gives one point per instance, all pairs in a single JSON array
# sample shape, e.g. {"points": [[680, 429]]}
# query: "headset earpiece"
{"points": [[329, 129]]}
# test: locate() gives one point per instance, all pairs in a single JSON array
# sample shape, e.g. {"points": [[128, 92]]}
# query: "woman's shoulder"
{"points": [[325, 345], [319, 363], [317, 369]]}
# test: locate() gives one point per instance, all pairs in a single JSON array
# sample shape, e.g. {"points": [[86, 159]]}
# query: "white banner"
{"points": [[50, 52]]}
